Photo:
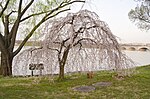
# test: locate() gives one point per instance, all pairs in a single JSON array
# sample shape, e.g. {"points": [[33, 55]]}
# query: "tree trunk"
{"points": [[62, 63], [6, 64], [61, 72], [0, 67]]}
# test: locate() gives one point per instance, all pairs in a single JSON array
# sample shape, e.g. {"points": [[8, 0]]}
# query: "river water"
{"points": [[139, 57]]}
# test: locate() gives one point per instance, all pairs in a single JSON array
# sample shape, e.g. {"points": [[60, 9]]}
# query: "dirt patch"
{"points": [[84, 88], [101, 84]]}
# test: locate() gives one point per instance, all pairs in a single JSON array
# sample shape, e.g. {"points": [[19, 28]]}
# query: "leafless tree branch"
{"points": [[3, 9]]}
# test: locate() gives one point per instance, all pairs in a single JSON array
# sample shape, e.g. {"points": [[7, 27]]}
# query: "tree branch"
{"points": [[60, 6], [145, 20], [86, 39], [35, 49], [2, 44], [20, 5], [27, 37], [63, 4], [14, 29], [13, 34], [3, 20], [68, 3], [1, 37], [3, 9], [26, 8], [33, 15], [53, 49], [57, 13], [6, 29]]}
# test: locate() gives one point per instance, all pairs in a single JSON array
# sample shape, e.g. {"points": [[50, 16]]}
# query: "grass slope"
{"points": [[135, 87]]}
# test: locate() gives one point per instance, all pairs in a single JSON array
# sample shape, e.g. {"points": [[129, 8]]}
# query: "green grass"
{"points": [[135, 87]]}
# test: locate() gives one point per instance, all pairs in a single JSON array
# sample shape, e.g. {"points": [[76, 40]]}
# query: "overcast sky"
{"points": [[115, 14]]}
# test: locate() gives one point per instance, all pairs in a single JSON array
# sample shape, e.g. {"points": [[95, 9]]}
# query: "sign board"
{"points": [[36, 66]]}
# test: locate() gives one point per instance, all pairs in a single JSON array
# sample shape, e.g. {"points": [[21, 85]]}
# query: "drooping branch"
{"points": [[55, 49], [35, 49], [84, 39]]}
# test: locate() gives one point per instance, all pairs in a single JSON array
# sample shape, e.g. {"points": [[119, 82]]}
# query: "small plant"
{"points": [[90, 74]]}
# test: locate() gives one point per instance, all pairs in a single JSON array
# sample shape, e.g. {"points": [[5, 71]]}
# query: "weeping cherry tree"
{"points": [[78, 42]]}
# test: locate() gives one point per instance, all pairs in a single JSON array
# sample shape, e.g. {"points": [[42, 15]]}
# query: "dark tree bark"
{"points": [[6, 63], [62, 63]]}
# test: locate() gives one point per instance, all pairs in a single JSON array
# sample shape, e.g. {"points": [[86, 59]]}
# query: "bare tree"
{"points": [[16, 17], [141, 14], [78, 42]]}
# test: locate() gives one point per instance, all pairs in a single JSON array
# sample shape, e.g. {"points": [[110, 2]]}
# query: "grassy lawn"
{"points": [[135, 87]]}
